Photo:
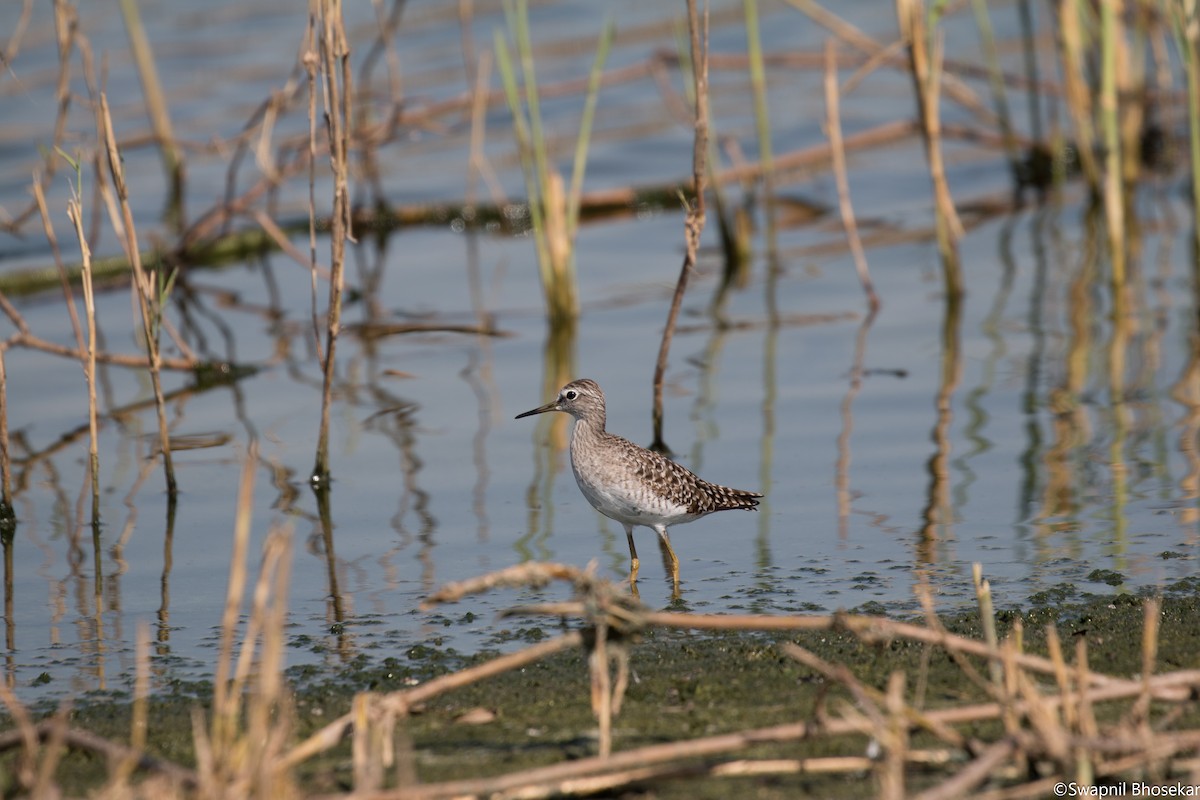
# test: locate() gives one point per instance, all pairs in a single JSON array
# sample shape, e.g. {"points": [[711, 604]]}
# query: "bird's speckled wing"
{"points": [[679, 485]]}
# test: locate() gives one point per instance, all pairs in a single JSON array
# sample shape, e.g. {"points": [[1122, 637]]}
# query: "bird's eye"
{"points": [[571, 395]]}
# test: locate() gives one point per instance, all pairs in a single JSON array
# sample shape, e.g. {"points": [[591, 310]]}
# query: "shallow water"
{"points": [[1064, 452]]}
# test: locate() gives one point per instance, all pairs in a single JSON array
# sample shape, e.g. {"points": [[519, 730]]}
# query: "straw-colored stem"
{"points": [[694, 223], [987, 619], [925, 64], [225, 704], [1151, 618], [148, 299], [75, 213], [334, 54], [400, 702], [1084, 765], [833, 121], [6, 508]]}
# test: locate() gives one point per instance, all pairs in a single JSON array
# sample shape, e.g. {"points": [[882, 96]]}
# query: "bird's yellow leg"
{"points": [[673, 565], [633, 556]]}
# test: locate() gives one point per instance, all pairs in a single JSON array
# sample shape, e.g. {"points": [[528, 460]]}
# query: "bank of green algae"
{"points": [[686, 685]]}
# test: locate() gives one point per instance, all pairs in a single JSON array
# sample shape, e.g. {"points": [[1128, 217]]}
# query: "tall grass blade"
{"points": [[550, 208]]}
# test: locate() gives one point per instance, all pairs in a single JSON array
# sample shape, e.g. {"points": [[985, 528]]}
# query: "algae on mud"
{"points": [[685, 686]]}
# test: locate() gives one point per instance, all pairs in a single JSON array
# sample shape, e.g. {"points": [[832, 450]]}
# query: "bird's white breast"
{"points": [[619, 494]]}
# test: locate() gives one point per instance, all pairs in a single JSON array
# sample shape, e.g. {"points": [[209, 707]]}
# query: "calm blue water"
{"points": [[1066, 446]]}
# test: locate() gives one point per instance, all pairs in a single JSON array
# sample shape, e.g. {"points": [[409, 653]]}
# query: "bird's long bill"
{"points": [[551, 406]]}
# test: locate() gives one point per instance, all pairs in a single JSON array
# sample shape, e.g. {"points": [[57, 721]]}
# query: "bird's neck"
{"points": [[589, 427]]}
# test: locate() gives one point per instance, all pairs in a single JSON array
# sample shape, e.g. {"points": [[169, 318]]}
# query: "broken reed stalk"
{"points": [[987, 619], [833, 119], [328, 44], [694, 222], [149, 300], [925, 65], [156, 108]]}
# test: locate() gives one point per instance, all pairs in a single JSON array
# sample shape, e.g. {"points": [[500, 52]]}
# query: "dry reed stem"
{"points": [[9, 52], [878, 53], [57, 736], [541, 781], [1151, 615], [334, 55], [888, 716], [694, 223], [242, 753], [833, 120], [869, 695], [225, 703], [6, 507], [151, 311], [75, 214], [35, 342], [311, 61], [1019, 700], [39, 197], [972, 775], [277, 235], [875, 630], [925, 59], [987, 619]]}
